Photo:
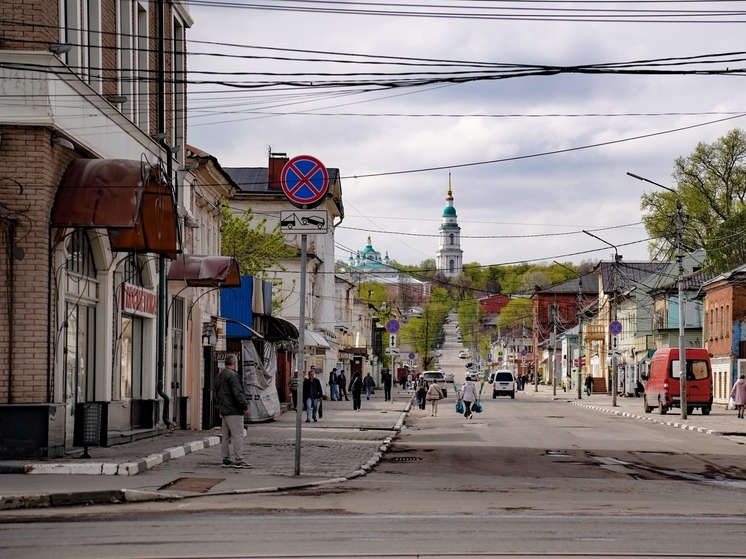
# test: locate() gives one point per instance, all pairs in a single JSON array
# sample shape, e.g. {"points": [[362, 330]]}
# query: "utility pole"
{"points": [[554, 349], [682, 311], [579, 316], [613, 311], [680, 282], [614, 363]]}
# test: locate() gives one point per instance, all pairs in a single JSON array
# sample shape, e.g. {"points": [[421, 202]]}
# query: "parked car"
{"points": [[429, 376], [504, 384], [462, 354], [448, 376], [663, 387]]}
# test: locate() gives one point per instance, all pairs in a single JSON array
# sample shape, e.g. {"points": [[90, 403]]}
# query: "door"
{"points": [[177, 363]]}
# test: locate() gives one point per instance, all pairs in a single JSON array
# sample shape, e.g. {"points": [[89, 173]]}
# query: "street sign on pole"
{"points": [[392, 326], [310, 222], [615, 327], [305, 181]]}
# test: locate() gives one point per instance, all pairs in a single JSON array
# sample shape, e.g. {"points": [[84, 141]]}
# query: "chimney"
{"points": [[276, 163]]}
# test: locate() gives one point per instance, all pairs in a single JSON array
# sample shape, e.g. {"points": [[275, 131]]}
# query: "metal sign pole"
{"points": [[301, 351]]}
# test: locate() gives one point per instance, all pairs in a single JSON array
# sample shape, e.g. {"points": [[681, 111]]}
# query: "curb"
{"points": [[124, 469], [675, 424], [49, 500]]}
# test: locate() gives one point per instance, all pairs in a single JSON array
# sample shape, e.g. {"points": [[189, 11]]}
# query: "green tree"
{"points": [[423, 332], [516, 313], [255, 249], [711, 185]]}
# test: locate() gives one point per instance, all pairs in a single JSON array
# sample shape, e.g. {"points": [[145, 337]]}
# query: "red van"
{"points": [[662, 387]]}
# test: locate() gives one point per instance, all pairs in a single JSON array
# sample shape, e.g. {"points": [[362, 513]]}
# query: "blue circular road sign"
{"points": [[392, 326], [615, 327], [305, 181]]}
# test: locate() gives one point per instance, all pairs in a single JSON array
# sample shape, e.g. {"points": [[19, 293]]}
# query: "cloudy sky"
{"points": [[536, 155]]}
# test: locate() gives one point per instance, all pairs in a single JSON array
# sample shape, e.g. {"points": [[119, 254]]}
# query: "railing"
{"points": [[594, 331]]}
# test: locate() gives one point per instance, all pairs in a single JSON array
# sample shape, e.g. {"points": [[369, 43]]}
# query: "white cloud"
{"points": [[559, 193]]}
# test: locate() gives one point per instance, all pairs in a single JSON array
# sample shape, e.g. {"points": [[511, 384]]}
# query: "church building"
{"points": [[449, 258]]}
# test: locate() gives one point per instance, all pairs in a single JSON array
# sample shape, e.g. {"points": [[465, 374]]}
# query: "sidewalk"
{"points": [[183, 464], [720, 422]]}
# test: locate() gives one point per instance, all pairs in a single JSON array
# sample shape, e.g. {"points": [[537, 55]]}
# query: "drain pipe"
{"points": [[161, 101]]}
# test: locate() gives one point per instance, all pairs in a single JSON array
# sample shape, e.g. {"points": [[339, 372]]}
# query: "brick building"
{"points": [[92, 136], [724, 329]]}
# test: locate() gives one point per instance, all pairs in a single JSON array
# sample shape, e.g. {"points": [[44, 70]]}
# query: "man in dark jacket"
{"points": [[386, 380], [342, 383], [232, 406], [312, 392]]}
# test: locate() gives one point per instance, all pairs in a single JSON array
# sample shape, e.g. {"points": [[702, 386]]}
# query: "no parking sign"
{"points": [[305, 181]]}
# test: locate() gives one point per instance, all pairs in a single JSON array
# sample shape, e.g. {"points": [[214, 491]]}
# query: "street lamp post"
{"points": [[680, 282], [615, 275], [580, 331]]}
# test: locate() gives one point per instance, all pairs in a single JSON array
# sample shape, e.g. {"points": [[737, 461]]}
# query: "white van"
{"points": [[503, 384]]}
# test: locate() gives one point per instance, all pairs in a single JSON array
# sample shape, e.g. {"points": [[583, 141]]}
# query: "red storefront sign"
{"points": [[136, 300]]}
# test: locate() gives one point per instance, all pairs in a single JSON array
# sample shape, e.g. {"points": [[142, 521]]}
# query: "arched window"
{"points": [[80, 255], [451, 266], [451, 237], [132, 270]]}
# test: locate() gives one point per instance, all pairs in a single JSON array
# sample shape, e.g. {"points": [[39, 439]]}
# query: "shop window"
{"points": [[79, 353], [132, 357]]}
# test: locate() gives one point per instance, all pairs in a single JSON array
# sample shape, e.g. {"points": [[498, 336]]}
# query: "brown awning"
{"points": [[205, 271], [129, 198]]}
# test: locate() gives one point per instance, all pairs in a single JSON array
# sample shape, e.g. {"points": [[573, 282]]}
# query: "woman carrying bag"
{"points": [[468, 396], [434, 393]]}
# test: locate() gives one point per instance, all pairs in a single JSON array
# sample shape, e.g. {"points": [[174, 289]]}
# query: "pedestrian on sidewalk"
{"points": [[333, 386], [468, 396], [294, 389], [312, 393], [342, 384], [434, 394], [232, 406], [738, 393], [369, 384], [386, 380], [588, 384], [421, 393], [356, 387], [567, 383]]}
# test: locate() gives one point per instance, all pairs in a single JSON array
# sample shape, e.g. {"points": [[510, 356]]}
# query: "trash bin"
{"points": [[87, 431]]}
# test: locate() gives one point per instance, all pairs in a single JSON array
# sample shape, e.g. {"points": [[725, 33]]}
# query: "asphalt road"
{"points": [[527, 477]]}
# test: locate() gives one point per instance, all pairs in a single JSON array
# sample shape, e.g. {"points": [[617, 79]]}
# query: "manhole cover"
{"points": [[196, 484], [405, 458]]}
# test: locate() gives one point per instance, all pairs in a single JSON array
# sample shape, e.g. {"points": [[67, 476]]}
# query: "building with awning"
{"points": [[259, 188], [95, 187]]}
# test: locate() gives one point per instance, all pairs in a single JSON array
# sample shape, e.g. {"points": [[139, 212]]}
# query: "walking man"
{"points": [[386, 380], [342, 384], [294, 389], [369, 383], [333, 386], [356, 387], [232, 406], [312, 392]]}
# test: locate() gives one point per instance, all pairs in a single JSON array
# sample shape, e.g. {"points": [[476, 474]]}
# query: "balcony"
{"points": [[594, 332]]}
